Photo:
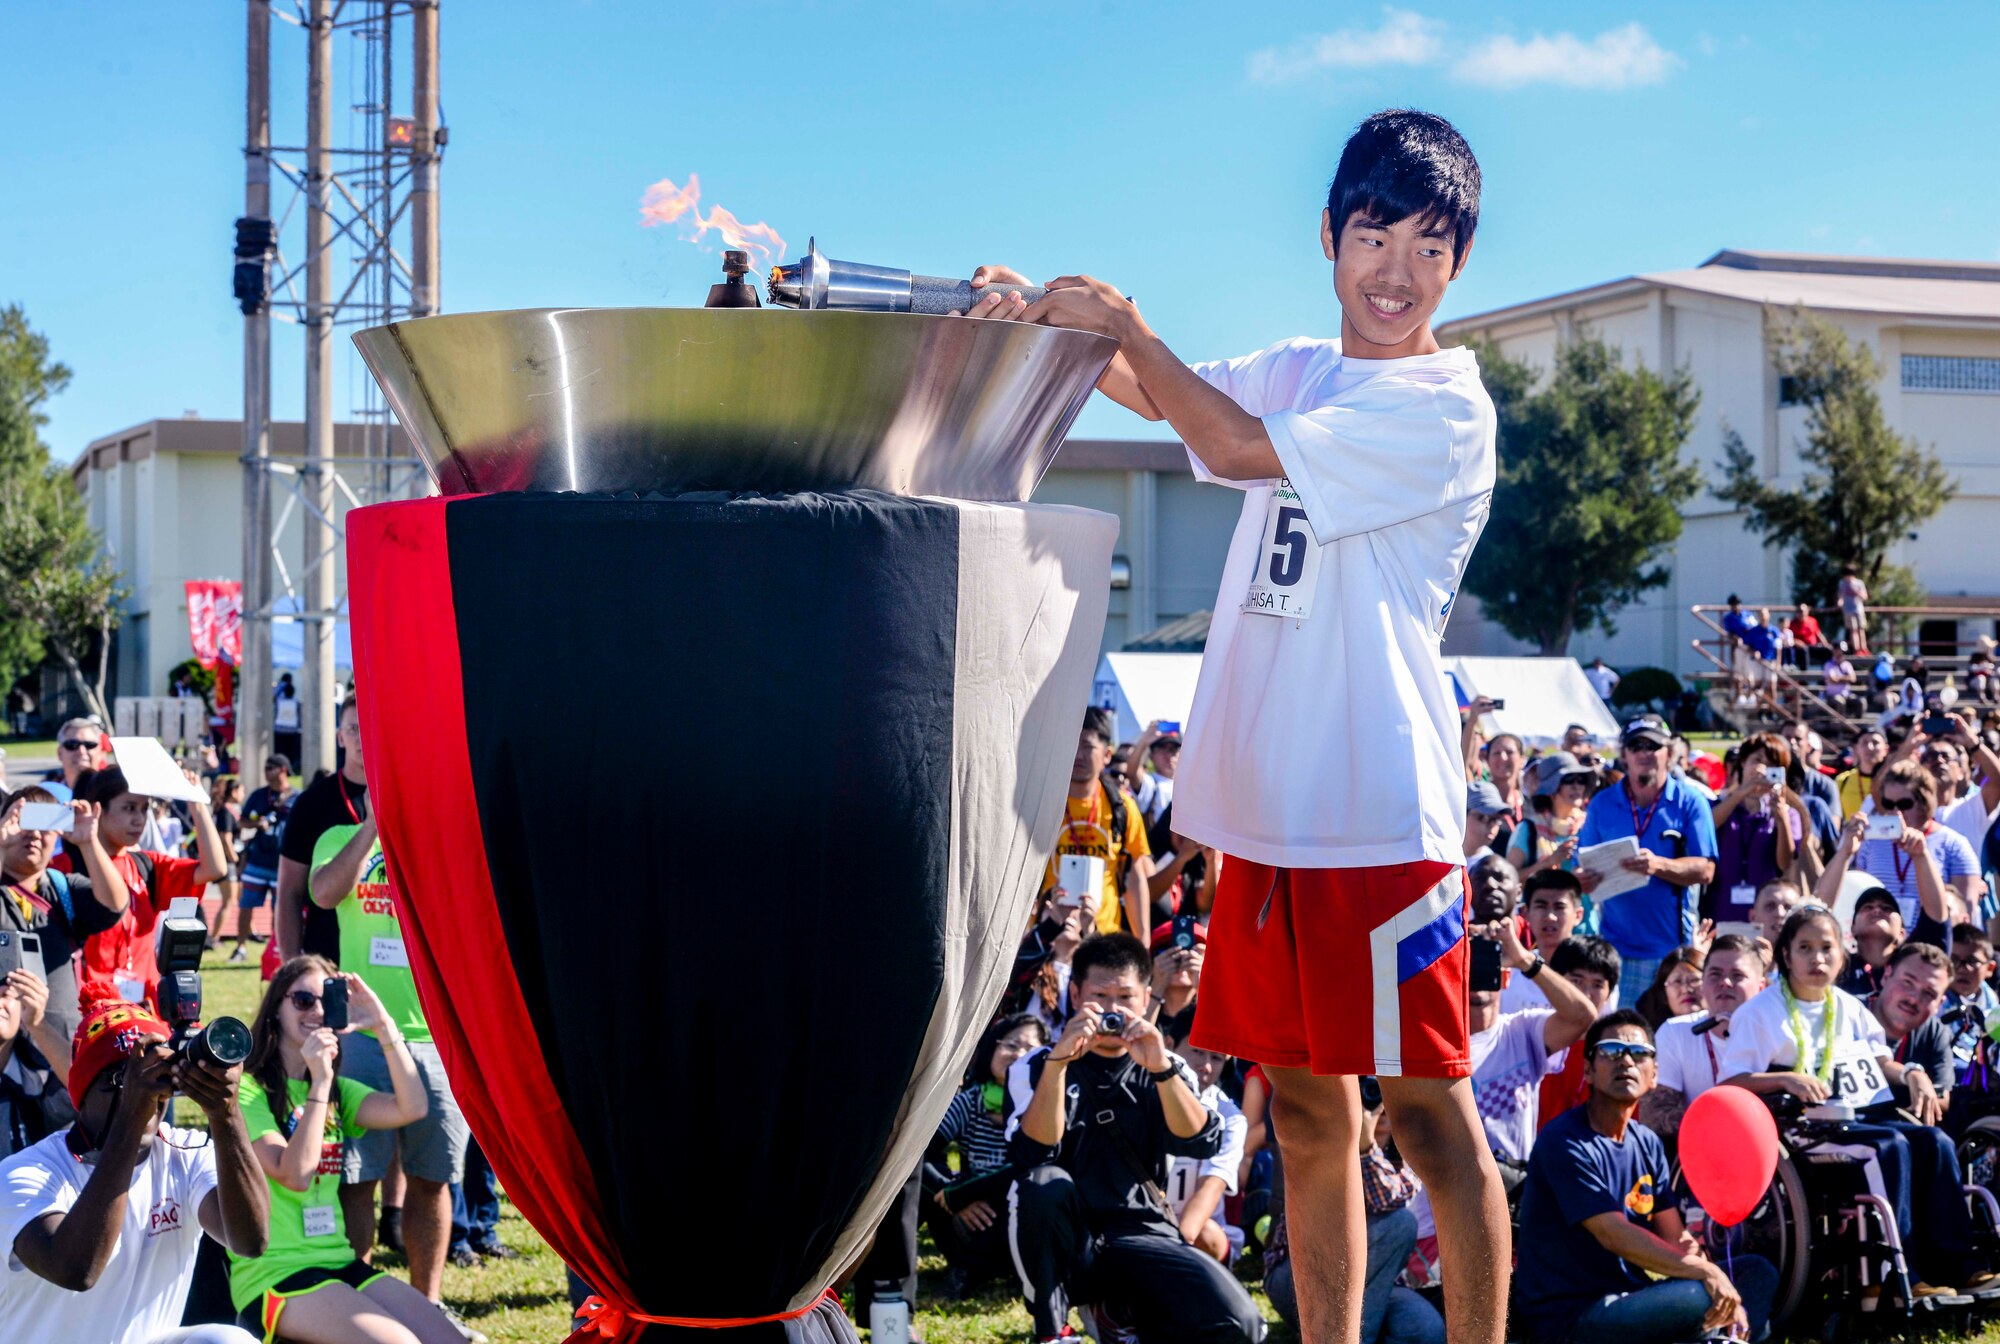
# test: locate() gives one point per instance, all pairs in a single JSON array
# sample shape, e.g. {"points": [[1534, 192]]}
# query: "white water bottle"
{"points": [[888, 1314]]}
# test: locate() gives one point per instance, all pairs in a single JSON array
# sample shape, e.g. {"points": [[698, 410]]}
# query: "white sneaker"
{"points": [[471, 1335]]}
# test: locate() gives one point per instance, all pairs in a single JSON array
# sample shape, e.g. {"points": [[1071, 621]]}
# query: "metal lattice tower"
{"points": [[350, 239]]}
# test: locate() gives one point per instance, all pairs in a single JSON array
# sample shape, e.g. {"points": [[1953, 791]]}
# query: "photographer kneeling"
{"points": [[308, 1287], [1096, 1118], [102, 1221]]}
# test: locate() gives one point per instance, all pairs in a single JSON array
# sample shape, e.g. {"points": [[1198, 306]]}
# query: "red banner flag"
{"points": [[215, 621]]}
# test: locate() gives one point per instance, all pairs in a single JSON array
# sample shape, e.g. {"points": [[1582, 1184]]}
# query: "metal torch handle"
{"points": [[934, 295]]}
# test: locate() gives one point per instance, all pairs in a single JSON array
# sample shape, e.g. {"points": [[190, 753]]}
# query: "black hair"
{"points": [[1552, 877], [1401, 163], [1581, 952], [1610, 1022], [279, 760], [1797, 920], [27, 793], [1097, 723], [982, 1054], [1112, 952], [102, 786], [1961, 933]]}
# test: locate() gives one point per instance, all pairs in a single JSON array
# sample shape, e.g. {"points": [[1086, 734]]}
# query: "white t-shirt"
{"points": [[1689, 1064], [1885, 861], [1332, 740], [145, 1283], [1969, 817], [1509, 1060], [1761, 1040], [1602, 680], [1189, 1172]]}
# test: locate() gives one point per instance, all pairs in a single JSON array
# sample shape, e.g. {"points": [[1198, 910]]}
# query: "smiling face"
{"points": [[1390, 279], [26, 853], [1503, 760], [1683, 989], [1869, 749], [1015, 1046], [296, 1023], [1911, 993]]}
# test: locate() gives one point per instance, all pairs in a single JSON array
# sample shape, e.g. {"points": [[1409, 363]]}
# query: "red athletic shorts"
{"points": [[1343, 970]]}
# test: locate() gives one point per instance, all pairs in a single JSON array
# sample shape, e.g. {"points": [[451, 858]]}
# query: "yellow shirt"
{"points": [[1087, 830], [1854, 789]]}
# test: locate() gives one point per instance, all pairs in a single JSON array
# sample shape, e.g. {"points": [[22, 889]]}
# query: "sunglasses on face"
{"points": [[79, 744], [1637, 1051], [304, 1000], [1901, 804]]}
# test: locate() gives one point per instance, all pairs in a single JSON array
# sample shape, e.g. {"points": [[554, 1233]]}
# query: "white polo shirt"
{"points": [[145, 1282], [1330, 739]]}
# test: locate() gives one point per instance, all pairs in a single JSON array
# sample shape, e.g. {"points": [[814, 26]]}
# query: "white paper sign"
{"points": [[151, 773], [319, 1221], [1606, 860], [388, 952]]}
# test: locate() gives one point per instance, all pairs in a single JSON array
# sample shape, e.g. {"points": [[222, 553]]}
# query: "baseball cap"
{"points": [[1485, 799], [1877, 896], [1647, 727]]}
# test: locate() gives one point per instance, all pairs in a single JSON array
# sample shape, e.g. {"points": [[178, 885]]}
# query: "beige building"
{"points": [[167, 498], [1173, 531], [1935, 328]]}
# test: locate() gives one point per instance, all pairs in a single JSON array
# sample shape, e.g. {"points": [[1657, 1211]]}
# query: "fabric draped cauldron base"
{"points": [[712, 823]]}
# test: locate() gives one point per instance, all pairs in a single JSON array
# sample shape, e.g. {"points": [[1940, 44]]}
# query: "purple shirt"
{"points": [[1746, 858]]}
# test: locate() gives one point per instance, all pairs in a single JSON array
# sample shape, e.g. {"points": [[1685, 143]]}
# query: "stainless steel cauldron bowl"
{"points": [[739, 399]]}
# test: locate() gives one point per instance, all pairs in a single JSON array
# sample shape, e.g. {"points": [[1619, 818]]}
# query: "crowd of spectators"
{"points": [[1648, 924]]}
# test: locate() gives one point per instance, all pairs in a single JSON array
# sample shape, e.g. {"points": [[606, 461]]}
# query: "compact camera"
{"points": [[1112, 1023]]}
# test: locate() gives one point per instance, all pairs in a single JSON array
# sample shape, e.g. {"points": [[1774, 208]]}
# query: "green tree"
{"points": [[1589, 493], [1865, 487], [57, 595]]}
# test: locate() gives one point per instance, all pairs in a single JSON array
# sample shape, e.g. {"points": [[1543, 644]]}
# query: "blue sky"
{"points": [[1180, 150]]}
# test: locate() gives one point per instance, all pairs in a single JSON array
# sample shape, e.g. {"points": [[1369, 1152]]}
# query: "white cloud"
{"points": [[1403, 39], [1622, 58]]}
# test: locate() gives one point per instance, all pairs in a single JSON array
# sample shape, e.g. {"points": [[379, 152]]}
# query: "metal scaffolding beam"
{"points": [[366, 205]]}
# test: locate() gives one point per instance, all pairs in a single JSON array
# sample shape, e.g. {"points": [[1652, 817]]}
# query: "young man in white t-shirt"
{"points": [[1691, 1062], [100, 1223], [1322, 749]]}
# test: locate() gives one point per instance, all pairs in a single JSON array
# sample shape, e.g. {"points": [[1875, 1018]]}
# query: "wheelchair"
{"points": [[1829, 1231]]}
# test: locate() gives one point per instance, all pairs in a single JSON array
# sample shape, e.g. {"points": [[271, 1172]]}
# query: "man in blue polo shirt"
{"points": [[1676, 833]]}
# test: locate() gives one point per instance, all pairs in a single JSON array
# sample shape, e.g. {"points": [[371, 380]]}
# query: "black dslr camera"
{"points": [[224, 1042]]}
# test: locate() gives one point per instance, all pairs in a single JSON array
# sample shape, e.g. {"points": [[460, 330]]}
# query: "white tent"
{"points": [[1544, 697], [1141, 687]]}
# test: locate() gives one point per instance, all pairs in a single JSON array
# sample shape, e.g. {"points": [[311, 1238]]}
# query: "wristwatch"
{"points": [[1534, 968], [1161, 1075]]}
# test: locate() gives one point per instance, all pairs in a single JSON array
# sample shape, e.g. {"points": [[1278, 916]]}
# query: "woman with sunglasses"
{"points": [[1807, 1037], [1930, 869], [308, 1286]]}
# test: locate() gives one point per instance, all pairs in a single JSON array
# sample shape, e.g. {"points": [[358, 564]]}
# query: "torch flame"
{"points": [[665, 203]]}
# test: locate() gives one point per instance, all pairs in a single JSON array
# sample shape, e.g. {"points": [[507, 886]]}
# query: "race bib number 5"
{"points": [[1288, 562]]}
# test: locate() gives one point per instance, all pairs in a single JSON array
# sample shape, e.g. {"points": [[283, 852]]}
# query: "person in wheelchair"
{"points": [[1597, 1223], [1820, 1044]]}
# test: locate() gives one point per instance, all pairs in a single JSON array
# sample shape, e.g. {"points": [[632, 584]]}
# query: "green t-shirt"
{"points": [[371, 937], [307, 1231]]}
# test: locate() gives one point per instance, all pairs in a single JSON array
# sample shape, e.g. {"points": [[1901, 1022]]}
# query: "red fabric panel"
{"points": [[406, 670]]}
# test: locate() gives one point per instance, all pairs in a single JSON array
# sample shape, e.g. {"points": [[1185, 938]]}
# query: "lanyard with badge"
{"points": [[1287, 561], [318, 1220]]}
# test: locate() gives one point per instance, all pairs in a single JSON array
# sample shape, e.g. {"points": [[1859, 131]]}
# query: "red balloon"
{"points": [[1729, 1152]]}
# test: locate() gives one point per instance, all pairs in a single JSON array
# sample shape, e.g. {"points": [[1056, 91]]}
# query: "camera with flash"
{"points": [[224, 1042]]}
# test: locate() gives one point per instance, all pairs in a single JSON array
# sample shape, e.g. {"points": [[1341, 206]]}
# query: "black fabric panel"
{"points": [[712, 740]]}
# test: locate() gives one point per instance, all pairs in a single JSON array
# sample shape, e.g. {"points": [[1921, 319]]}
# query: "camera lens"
{"points": [[224, 1043], [1112, 1023]]}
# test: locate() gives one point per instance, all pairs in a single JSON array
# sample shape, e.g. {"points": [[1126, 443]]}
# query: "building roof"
{"points": [[192, 434], [1188, 634], [1954, 291]]}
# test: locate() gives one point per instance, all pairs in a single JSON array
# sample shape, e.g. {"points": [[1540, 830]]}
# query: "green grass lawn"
{"points": [[526, 1301]]}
